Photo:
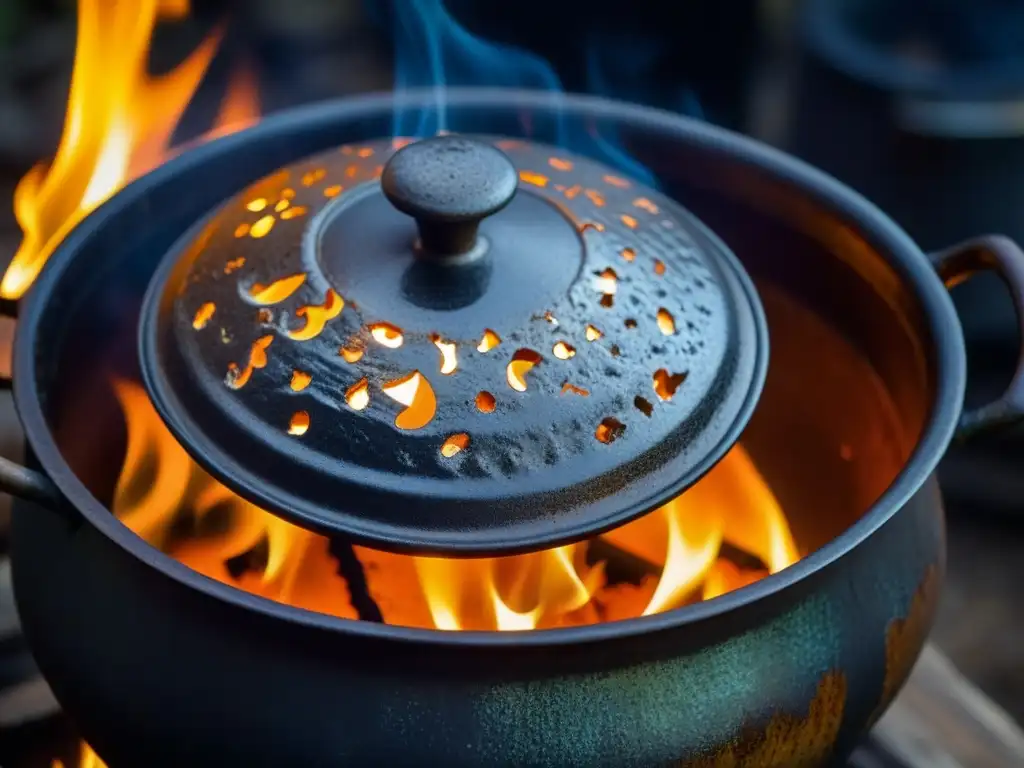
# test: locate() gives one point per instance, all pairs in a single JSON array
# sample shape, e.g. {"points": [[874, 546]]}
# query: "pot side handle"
{"points": [[15, 479], [998, 254], [30, 485]]}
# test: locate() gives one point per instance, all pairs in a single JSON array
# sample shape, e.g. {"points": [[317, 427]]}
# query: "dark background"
{"points": [[830, 80]]}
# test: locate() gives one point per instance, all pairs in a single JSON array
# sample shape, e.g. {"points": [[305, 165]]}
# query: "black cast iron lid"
{"points": [[462, 347]]}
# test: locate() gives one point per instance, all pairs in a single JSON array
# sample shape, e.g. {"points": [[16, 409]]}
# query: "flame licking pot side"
{"points": [[118, 124]]}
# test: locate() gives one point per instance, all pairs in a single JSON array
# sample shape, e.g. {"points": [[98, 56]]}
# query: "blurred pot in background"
{"points": [[309, 50], [919, 105], [695, 57]]}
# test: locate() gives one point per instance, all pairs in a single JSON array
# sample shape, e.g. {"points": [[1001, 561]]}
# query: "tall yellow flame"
{"points": [[117, 126], [87, 758], [508, 593]]}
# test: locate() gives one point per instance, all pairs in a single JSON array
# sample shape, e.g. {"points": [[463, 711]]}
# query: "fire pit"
{"points": [[251, 611]]}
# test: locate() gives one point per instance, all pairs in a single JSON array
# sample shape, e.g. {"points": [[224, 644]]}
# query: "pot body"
{"points": [[161, 666], [156, 673]]}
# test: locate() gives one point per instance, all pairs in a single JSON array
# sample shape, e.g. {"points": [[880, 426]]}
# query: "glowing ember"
{"points": [[416, 394], [277, 291], [572, 389], [535, 179], [317, 316], [239, 377], [299, 423], [203, 315], [352, 352], [262, 227], [521, 364], [387, 335], [300, 380], [644, 204], [666, 323], [455, 445], [609, 430], [488, 341], [607, 282], [449, 359], [564, 351], [118, 125], [314, 176], [358, 395], [666, 383]]}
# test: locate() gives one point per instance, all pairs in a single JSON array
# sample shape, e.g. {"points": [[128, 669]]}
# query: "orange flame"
{"points": [[732, 504], [160, 482], [508, 593], [174, 505], [86, 759], [118, 125]]}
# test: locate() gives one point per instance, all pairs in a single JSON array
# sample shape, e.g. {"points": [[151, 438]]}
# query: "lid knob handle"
{"points": [[449, 184]]}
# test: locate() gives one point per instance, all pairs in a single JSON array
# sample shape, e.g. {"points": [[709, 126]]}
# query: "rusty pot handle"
{"points": [[998, 254]]}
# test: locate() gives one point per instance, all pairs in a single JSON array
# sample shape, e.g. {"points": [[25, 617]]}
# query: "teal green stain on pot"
{"points": [[701, 700]]}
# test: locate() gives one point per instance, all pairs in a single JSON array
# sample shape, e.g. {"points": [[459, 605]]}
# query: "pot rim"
{"points": [[879, 230]]}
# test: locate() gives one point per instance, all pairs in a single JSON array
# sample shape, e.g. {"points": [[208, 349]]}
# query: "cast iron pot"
{"points": [[161, 666]]}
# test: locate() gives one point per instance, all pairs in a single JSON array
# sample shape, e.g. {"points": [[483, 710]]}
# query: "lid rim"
{"points": [[602, 508], [396, 538]]}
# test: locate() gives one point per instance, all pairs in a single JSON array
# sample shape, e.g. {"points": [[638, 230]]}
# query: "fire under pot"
{"points": [[431, 450]]}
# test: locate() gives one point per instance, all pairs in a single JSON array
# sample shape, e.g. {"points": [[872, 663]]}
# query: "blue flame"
{"points": [[434, 51]]}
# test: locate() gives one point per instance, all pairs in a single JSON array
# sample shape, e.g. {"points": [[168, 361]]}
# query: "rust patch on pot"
{"points": [[788, 741], [905, 637]]}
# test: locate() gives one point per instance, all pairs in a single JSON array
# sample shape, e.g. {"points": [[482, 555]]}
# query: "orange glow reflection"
{"points": [[118, 125]]}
